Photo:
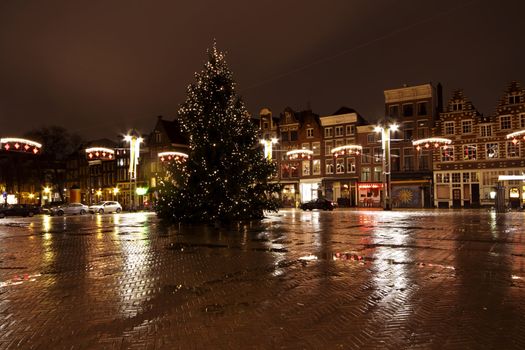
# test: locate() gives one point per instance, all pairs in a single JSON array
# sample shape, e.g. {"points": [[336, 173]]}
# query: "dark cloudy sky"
{"points": [[100, 67]]}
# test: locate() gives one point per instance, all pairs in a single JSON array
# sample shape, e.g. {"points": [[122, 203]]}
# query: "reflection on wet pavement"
{"points": [[347, 279]]}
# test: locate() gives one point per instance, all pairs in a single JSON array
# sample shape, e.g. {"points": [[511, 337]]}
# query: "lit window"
{"points": [[306, 167], [492, 150], [316, 147], [350, 165], [329, 166], [316, 166], [469, 152], [340, 166]]}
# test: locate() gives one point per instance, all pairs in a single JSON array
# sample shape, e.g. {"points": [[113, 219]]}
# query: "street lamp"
{"points": [[134, 153], [268, 145], [384, 128]]}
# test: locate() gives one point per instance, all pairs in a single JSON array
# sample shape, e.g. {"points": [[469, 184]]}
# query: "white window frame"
{"points": [[329, 132], [350, 165], [506, 117], [487, 150], [329, 166], [446, 127], [467, 124], [328, 145], [310, 132]]}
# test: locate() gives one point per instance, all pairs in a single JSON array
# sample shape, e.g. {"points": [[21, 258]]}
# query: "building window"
{"points": [[469, 152], [466, 126], [492, 150], [449, 128], [365, 174], [408, 159], [306, 167], [514, 99], [339, 142], [350, 129], [424, 160], [316, 167], [158, 137], [371, 138], [329, 166], [316, 147], [328, 147], [393, 111], [310, 132], [485, 130], [378, 154], [340, 166], [377, 173], [466, 177], [293, 135], [422, 108], [456, 177], [395, 159], [513, 149], [265, 125], [350, 165], [408, 110], [457, 106], [365, 156], [284, 136], [305, 145], [328, 132], [408, 131], [339, 131], [505, 122], [522, 120]]}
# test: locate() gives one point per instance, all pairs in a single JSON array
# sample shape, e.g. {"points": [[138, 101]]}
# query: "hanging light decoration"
{"points": [[436, 142], [19, 145], [347, 150], [299, 154], [172, 155], [100, 153], [515, 136]]}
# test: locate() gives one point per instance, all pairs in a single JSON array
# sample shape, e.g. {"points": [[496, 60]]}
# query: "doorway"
{"points": [[456, 198]]}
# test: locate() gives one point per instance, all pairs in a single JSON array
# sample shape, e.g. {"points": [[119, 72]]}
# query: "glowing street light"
{"points": [[134, 153], [384, 128], [268, 146]]}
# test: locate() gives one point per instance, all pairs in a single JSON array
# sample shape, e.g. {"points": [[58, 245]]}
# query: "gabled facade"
{"points": [[466, 173]]}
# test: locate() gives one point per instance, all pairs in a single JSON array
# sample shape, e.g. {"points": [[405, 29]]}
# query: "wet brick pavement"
{"points": [[298, 280]]}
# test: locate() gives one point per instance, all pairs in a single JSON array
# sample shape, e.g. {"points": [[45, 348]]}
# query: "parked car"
{"points": [[18, 210], [106, 207], [71, 208], [319, 203]]}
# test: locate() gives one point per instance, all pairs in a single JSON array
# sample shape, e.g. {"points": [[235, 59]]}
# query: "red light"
{"points": [[17, 145], [26, 147], [35, 150], [514, 141], [7, 147]]}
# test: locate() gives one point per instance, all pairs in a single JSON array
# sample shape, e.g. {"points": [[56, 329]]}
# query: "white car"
{"points": [[105, 207], [71, 208]]}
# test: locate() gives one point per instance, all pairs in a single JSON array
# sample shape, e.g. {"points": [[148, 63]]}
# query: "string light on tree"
{"points": [[224, 177]]}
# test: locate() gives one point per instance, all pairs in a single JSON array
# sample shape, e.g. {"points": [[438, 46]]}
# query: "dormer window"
{"points": [[158, 137], [514, 99], [457, 106]]}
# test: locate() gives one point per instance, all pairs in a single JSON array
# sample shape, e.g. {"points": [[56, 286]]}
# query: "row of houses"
{"points": [[339, 156], [462, 173]]}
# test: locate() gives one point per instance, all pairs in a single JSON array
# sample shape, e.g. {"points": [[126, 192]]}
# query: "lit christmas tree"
{"points": [[226, 176]]}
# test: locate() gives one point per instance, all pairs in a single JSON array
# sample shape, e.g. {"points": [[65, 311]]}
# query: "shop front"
{"points": [[290, 195], [369, 194], [411, 194], [341, 191], [310, 189]]}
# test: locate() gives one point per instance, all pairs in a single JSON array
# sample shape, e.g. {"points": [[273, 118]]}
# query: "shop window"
{"points": [[466, 177], [456, 177]]}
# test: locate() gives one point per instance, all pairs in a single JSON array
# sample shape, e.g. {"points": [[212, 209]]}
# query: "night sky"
{"points": [[101, 67]]}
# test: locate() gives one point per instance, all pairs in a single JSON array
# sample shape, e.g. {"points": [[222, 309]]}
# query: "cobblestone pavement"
{"points": [[298, 280]]}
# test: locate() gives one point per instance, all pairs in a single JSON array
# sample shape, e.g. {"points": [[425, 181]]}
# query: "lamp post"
{"points": [[134, 153], [268, 146], [384, 128]]}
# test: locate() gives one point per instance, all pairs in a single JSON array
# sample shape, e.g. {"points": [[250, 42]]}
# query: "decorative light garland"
{"points": [[20, 145], [168, 156], [436, 141], [299, 153], [346, 149], [100, 153], [516, 134]]}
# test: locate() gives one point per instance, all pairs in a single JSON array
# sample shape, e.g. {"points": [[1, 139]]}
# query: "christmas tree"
{"points": [[226, 176]]}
